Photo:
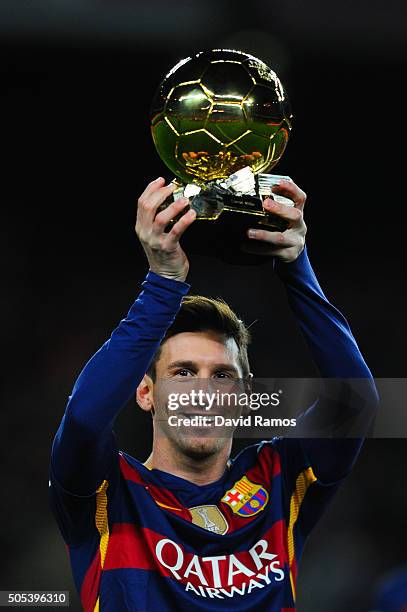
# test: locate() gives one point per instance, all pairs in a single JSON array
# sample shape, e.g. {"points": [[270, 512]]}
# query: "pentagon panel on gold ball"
{"points": [[221, 120]]}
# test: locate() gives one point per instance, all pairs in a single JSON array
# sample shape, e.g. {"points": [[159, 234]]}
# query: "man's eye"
{"points": [[223, 375], [182, 372]]}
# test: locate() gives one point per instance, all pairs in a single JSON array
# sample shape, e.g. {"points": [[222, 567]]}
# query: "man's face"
{"points": [[200, 361]]}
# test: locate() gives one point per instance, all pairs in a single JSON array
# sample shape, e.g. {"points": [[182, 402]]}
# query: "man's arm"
{"points": [[337, 356], [331, 342], [84, 447]]}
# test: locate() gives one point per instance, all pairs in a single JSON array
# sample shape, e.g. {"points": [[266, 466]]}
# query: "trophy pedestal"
{"points": [[226, 209]]}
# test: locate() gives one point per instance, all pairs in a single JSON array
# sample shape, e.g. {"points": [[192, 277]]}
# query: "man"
{"points": [[191, 528]]}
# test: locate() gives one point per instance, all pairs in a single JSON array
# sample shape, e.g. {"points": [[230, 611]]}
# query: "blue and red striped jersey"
{"points": [[143, 540], [159, 542]]}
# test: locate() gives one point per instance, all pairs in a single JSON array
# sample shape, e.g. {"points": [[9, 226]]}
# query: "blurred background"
{"points": [[76, 81]]}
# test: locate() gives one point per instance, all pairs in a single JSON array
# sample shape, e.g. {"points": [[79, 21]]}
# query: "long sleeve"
{"points": [[337, 356], [84, 446]]}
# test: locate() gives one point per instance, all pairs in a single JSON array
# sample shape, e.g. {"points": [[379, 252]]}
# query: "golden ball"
{"points": [[217, 112]]}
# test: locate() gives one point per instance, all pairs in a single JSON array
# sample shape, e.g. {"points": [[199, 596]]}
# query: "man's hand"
{"points": [[287, 245], [164, 253]]}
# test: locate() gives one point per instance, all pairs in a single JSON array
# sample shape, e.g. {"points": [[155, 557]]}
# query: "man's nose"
{"points": [[203, 382]]}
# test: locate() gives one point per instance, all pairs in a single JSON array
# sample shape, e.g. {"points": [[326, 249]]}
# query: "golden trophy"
{"points": [[220, 120]]}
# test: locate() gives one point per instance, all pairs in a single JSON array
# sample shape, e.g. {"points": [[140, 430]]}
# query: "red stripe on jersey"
{"points": [[267, 467], [129, 472], [128, 548], [135, 547], [91, 583], [294, 569], [162, 496]]}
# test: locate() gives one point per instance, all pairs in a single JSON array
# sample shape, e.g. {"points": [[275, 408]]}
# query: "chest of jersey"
{"points": [[221, 542]]}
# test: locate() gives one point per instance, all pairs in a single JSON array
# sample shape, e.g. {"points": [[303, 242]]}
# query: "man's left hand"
{"points": [[287, 245]]}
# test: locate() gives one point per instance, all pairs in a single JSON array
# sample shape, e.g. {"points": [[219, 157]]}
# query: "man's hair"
{"points": [[202, 314]]}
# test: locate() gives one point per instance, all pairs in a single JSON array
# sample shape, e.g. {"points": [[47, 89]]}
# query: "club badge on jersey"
{"points": [[246, 498]]}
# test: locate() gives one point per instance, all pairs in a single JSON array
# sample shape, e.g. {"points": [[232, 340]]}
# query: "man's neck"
{"points": [[200, 471]]}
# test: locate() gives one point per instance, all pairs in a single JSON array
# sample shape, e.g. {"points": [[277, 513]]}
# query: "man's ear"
{"points": [[144, 394]]}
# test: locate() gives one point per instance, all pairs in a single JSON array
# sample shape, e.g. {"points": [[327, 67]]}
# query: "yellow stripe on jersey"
{"points": [[169, 507], [102, 525], [304, 480]]}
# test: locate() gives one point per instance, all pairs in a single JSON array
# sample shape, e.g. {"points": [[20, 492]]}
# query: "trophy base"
{"points": [[230, 208]]}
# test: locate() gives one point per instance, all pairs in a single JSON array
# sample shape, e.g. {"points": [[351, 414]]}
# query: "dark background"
{"points": [[76, 81]]}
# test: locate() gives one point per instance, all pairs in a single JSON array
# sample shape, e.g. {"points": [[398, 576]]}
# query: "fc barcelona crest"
{"points": [[246, 498]]}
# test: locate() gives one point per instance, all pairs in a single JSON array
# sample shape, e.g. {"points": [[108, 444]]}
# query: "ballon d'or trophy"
{"points": [[220, 121]]}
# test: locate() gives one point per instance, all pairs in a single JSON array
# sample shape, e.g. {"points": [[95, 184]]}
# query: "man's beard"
{"points": [[198, 448]]}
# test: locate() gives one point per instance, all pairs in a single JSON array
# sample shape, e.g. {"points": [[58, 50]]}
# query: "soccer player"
{"points": [[191, 527]]}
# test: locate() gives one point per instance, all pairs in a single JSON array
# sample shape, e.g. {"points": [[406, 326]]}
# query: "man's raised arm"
{"points": [[332, 345], [349, 400], [84, 447]]}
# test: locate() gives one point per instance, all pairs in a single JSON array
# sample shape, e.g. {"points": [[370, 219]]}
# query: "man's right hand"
{"points": [[164, 253]]}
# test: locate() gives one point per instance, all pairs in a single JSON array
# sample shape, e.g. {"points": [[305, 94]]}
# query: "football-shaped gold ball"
{"points": [[217, 112]]}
